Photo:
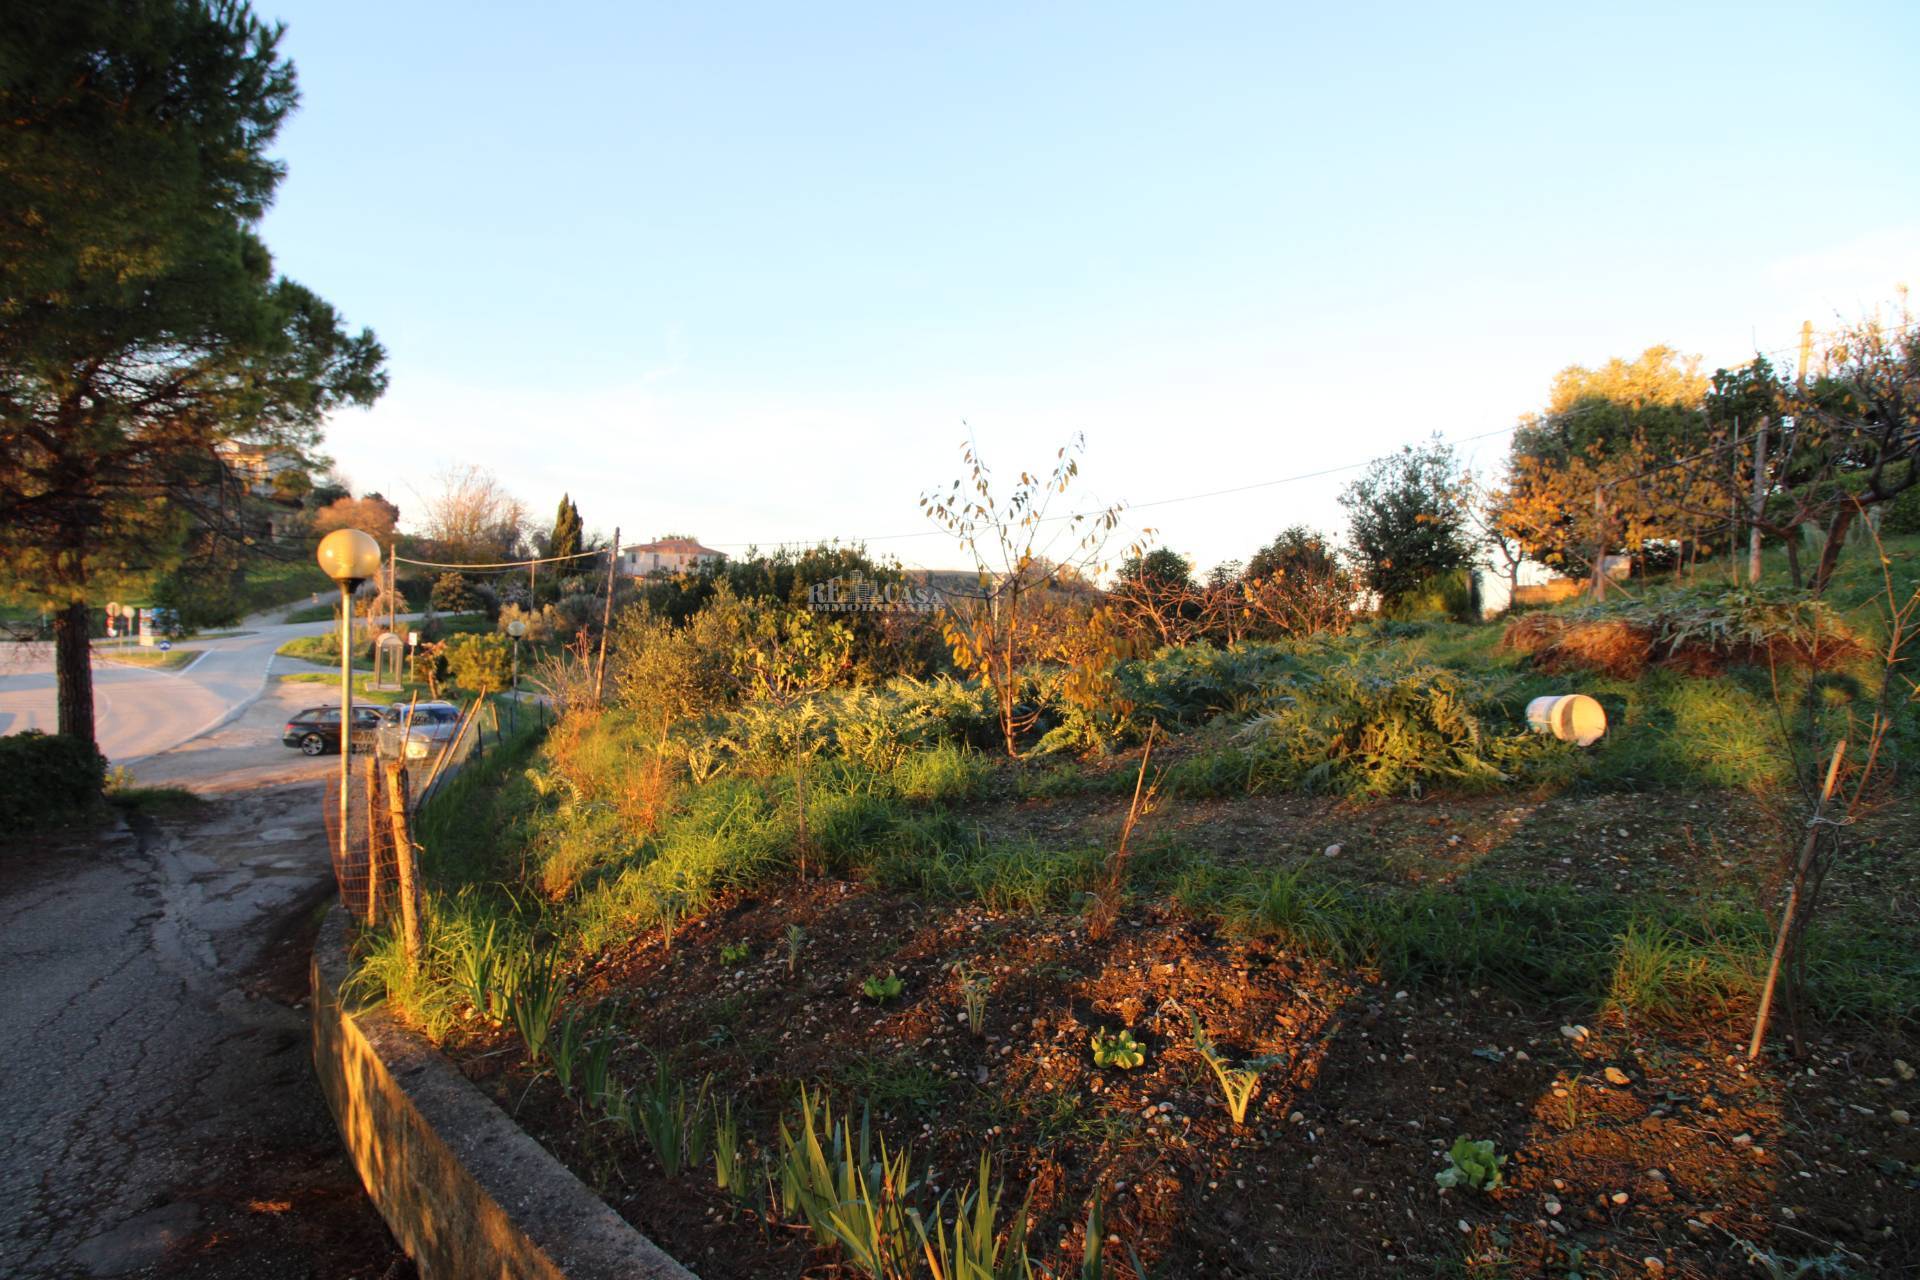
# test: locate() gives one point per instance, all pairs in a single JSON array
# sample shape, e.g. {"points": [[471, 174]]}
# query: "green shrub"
{"points": [[452, 593], [480, 662], [1358, 731], [1902, 515], [47, 777]]}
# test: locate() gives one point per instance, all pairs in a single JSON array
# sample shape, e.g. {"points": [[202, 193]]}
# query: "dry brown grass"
{"points": [[1625, 650]]}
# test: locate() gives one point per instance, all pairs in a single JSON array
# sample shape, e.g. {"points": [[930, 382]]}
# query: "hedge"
{"points": [[45, 777]]}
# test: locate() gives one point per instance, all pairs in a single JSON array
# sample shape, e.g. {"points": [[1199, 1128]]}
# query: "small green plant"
{"points": [[596, 1075], [734, 953], [880, 990], [670, 907], [1117, 1049], [729, 1173], [1471, 1164], [563, 1049], [1237, 1082], [1093, 1263], [535, 1000], [477, 963], [677, 1124], [971, 1249], [975, 987], [851, 1196], [796, 940]]}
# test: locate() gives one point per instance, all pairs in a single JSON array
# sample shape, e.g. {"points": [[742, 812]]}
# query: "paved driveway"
{"points": [[159, 1107]]}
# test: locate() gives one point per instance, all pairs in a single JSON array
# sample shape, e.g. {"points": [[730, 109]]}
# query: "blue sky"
{"points": [[753, 271]]}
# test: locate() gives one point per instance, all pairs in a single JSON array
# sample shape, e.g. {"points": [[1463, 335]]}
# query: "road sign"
{"points": [[165, 645], [113, 608]]}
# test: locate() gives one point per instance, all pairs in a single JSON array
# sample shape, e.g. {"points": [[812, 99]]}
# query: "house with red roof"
{"points": [[667, 557]]}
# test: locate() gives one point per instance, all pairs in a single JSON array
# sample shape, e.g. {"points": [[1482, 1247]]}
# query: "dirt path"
{"points": [[160, 1107]]}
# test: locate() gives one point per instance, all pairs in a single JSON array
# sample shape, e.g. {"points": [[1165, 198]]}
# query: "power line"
{"points": [[502, 564]]}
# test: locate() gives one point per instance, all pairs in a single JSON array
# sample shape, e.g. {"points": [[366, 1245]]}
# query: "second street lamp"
{"points": [[349, 557], [516, 629]]}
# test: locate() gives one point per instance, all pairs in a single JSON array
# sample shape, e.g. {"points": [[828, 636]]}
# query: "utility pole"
{"points": [[606, 620], [1599, 543], [393, 585], [1759, 507], [1733, 509]]}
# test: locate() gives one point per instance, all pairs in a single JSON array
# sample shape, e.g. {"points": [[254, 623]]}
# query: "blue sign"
{"points": [[165, 645]]}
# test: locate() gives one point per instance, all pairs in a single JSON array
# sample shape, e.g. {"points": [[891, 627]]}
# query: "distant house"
{"points": [[258, 467], [667, 557]]}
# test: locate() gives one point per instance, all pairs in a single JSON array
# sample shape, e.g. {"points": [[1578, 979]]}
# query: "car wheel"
{"points": [[312, 745]]}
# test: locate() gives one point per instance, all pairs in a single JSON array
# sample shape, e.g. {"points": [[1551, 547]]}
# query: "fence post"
{"points": [[374, 828], [403, 859]]}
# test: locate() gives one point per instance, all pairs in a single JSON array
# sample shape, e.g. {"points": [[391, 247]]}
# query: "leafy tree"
{"points": [[1022, 555], [1296, 585], [1155, 594], [1408, 513], [1297, 550], [786, 658], [372, 514], [1610, 429], [142, 324], [568, 532], [1849, 441]]}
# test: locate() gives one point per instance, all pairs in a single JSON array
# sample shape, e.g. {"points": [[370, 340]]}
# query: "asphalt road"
{"points": [[141, 712], [159, 1107]]}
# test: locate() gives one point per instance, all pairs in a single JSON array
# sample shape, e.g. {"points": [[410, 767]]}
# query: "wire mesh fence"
{"points": [[392, 771]]}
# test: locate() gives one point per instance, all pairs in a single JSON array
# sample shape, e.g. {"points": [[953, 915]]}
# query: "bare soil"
{"points": [[1634, 1147]]}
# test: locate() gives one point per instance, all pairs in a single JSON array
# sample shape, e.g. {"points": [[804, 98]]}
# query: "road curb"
{"points": [[463, 1189]]}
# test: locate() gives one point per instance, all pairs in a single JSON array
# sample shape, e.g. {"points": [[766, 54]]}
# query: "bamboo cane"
{"points": [[1787, 919]]}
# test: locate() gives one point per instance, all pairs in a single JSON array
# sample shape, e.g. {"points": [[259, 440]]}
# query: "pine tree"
{"points": [[142, 326], [567, 531]]}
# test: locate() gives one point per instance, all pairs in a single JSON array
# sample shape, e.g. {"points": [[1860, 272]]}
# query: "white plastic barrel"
{"points": [[1570, 717]]}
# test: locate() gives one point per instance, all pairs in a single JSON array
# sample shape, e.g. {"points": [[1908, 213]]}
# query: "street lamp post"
{"points": [[516, 629], [349, 557]]}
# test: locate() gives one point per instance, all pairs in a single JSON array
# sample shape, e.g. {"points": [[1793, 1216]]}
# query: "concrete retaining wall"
{"points": [[465, 1192]]}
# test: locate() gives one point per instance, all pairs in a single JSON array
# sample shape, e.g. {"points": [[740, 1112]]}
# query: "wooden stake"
{"points": [[1794, 889], [374, 828], [403, 858]]}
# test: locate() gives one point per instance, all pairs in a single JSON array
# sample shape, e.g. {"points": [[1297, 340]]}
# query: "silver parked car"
{"points": [[424, 727]]}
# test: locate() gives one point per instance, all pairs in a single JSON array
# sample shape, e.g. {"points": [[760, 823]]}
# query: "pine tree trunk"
{"points": [[73, 673]]}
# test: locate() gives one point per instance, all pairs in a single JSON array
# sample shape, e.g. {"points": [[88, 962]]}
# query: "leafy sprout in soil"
{"points": [[1117, 1049]]}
